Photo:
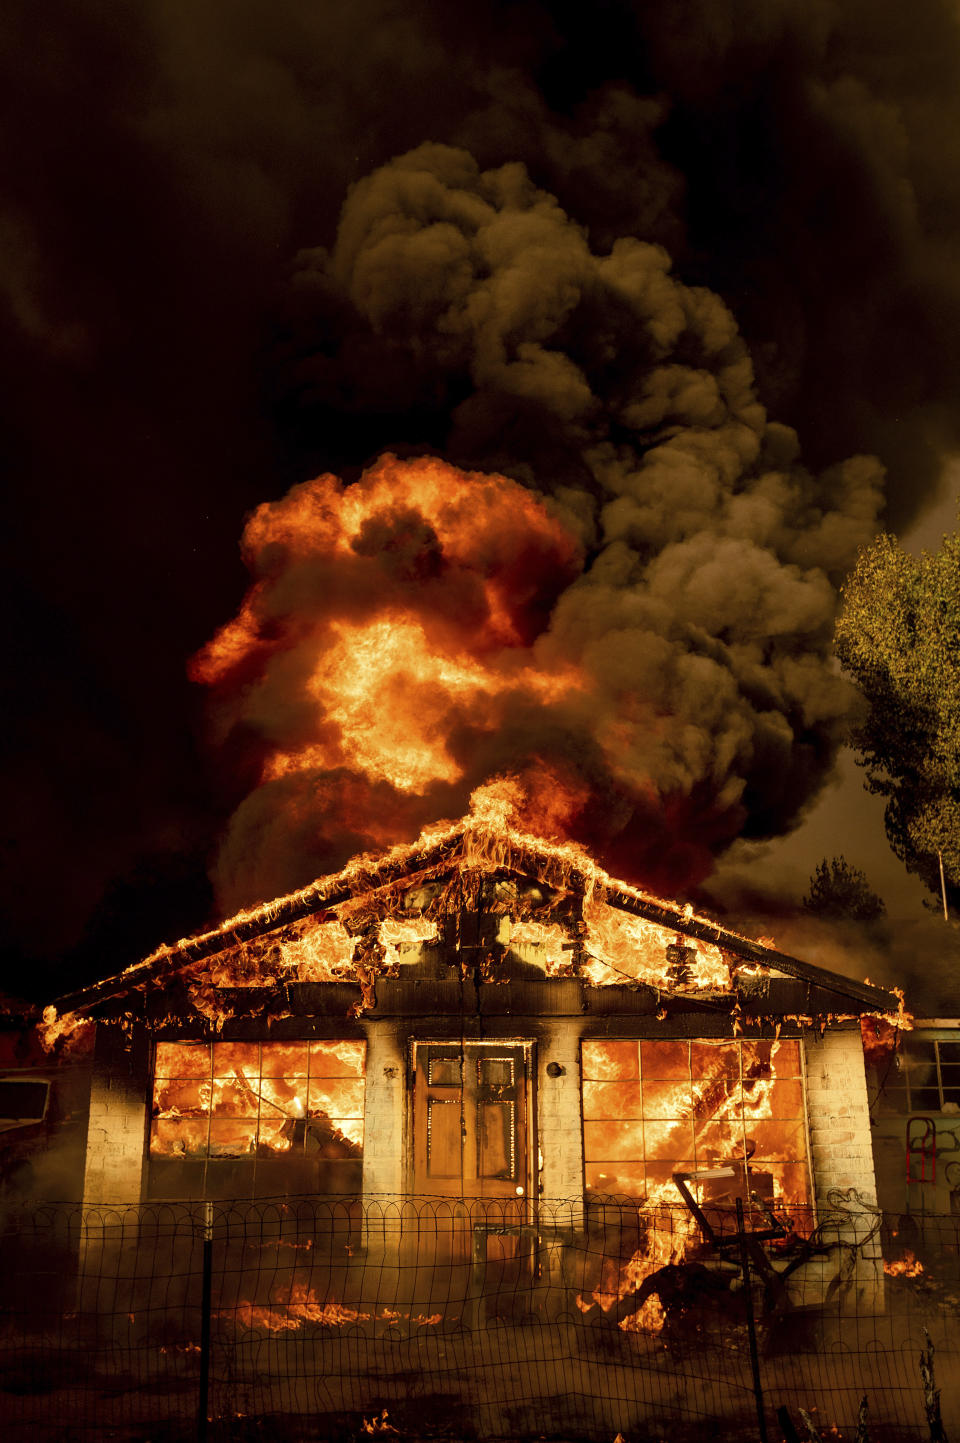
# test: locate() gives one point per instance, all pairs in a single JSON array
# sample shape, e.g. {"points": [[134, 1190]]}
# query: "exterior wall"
{"points": [[936, 1184], [841, 1156], [113, 1173], [117, 1126], [384, 1110], [558, 1114], [836, 1099]]}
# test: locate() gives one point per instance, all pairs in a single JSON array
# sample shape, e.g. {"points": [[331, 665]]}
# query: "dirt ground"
{"points": [[559, 1382]]}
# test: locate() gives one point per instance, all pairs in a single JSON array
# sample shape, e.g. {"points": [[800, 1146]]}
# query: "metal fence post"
{"points": [[751, 1326], [205, 1301]]}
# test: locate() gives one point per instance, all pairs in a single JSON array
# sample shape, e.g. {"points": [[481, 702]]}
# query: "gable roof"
{"points": [[468, 844]]}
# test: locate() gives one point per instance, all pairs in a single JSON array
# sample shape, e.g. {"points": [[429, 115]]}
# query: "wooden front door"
{"points": [[472, 1129], [471, 1121]]}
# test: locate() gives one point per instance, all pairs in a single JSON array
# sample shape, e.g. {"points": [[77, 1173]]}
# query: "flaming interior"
{"points": [[231, 1099], [654, 1108]]}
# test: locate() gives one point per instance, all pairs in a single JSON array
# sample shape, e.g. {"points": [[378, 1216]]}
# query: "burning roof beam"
{"points": [[322, 895], [565, 868], [876, 998]]}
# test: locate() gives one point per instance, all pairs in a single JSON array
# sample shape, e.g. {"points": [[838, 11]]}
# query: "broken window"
{"points": [[653, 1108], [259, 1101]]}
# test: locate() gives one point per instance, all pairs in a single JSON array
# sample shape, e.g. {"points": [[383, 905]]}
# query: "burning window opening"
{"points": [[730, 1112], [653, 1108], [237, 1099]]}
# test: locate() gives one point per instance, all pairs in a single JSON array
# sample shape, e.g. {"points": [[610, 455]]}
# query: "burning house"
{"points": [[482, 1015]]}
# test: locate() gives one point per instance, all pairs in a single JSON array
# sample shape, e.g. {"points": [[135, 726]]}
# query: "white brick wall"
{"points": [[561, 1134], [383, 1111], [117, 1129], [841, 1156], [839, 1115]]}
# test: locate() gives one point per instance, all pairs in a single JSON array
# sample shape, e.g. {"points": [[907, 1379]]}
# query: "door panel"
{"points": [[496, 1142], [471, 1120], [472, 1106], [444, 1138]]}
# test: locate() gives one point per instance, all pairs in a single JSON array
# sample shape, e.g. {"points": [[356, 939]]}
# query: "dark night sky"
{"points": [[161, 373]]}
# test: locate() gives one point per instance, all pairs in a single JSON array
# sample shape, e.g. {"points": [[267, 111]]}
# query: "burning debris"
{"points": [[299, 1305], [907, 1266]]}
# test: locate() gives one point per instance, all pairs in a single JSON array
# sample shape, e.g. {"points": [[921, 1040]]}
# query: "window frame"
{"points": [[208, 1164], [8, 1122], [804, 1154]]}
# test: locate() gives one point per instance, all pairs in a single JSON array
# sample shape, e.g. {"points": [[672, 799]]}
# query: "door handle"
{"points": [[519, 1192]]}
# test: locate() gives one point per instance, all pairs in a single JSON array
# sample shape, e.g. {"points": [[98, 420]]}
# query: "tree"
{"points": [[839, 890], [898, 637]]}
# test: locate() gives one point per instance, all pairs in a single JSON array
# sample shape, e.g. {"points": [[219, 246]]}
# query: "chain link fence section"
{"points": [[305, 1318]]}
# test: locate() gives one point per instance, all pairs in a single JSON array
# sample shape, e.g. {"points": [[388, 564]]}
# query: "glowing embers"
{"points": [[623, 948], [236, 1099], [653, 1108]]}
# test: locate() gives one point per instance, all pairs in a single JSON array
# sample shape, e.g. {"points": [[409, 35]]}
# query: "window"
{"points": [[928, 1079], [22, 1102], [259, 1102], [653, 1108]]}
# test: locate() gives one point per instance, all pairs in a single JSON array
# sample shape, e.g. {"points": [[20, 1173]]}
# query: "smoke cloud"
{"points": [[918, 952], [699, 622], [202, 303]]}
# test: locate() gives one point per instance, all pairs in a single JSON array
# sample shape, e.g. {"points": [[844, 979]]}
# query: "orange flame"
{"points": [[379, 687], [287, 1316], [624, 948], [438, 585], [907, 1266], [301, 1306], [549, 943], [75, 1030], [378, 1424]]}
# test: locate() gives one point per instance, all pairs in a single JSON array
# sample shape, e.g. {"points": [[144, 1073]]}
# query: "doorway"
{"points": [[473, 1148]]}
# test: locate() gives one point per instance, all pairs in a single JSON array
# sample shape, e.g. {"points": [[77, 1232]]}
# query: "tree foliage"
{"points": [[898, 637], [839, 890]]}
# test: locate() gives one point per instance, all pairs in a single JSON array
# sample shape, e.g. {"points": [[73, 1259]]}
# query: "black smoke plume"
{"points": [[702, 617], [167, 362]]}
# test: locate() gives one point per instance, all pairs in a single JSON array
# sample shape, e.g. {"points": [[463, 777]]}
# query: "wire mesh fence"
{"points": [[303, 1318]]}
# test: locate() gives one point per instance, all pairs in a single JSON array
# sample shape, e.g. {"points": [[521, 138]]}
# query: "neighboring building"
{"points": [[44, 1097], [914, 1096]]}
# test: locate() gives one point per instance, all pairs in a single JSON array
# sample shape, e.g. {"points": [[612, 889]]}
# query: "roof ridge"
{"points": [[474, 840]]}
